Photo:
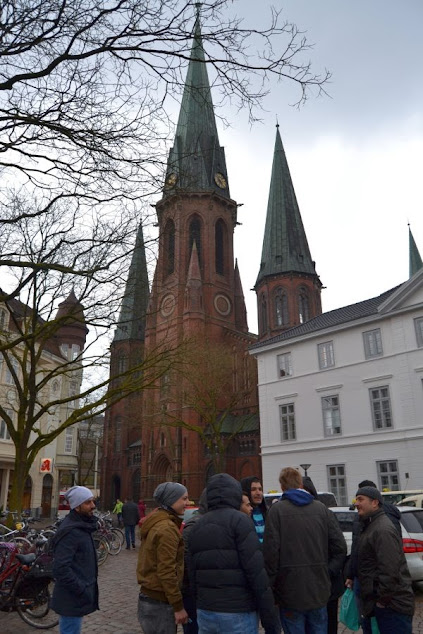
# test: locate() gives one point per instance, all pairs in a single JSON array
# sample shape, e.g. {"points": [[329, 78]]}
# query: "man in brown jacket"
{"points": [[160, 566]]}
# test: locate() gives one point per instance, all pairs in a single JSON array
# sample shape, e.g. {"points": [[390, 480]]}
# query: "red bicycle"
{"points": [[25, 586]]}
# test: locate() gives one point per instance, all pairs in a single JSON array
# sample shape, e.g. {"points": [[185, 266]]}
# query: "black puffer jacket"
{"points": [[382, 568], [226, 563]]}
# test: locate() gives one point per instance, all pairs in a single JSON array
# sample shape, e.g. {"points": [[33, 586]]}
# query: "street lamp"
{"points": [[305, 467]]}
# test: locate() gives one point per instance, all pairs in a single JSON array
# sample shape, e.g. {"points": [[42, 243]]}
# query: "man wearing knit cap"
{"points": [[385, 582], [160, 566], [75, 570]]}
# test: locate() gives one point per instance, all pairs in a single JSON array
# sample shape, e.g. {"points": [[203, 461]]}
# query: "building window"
{"points": [[372, 343], [69, 440], [388, 475], [2, 319], [287, 416], [219, 244], [9, 378], [303, 306], [418, 325], [331, 415], [338, 483], [263, 314], [169, 247], [122, 363], [118, 435], [381, 407], [195, 236], [281, 308], [4, 432], [284, 364], [162, 440], [326, 355]]}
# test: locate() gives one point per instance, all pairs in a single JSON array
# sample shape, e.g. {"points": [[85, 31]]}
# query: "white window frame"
{"points": [[326, 355], [284, 365], [372, 340], [337, 482], [418, 326], [8, 375], [389, 477], [381, 407], [69, 436], [331, 413], [287, 422], [4, 432]]}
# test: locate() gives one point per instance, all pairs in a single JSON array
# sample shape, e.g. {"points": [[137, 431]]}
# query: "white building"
{"points": [[343, 392]]}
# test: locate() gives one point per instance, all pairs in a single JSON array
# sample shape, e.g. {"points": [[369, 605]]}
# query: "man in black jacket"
{"points": [[302, 547], [385, 582], [130, 518], [226, 565], [75, 570]]}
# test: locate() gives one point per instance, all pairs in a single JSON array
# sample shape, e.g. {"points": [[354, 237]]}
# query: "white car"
{"points": [[412, 536]]}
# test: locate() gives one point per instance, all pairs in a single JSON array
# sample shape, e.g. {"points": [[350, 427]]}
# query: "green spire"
{"points": [[415, 261], [131, 322], [196, 160], [285, 247]]}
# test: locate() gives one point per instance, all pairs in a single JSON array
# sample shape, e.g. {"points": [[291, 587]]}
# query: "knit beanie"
{"points": [[78, 495], [370, 492], [167, 493]]}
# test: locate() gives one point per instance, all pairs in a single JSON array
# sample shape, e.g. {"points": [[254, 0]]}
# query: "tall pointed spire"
{"points": [[196, 160], [285, 246], [415, 261], [131, 322]]}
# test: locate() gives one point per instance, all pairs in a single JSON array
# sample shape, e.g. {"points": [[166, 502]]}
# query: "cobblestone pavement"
{"points": [[118, 603]]}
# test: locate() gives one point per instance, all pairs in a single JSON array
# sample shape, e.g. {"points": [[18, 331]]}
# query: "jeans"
{"points": [[70, 624], [155, 617], [312, 621], [130, 535], [227, 622], [389, 622]]}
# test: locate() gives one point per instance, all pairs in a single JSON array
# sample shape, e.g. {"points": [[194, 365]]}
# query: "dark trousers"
{"points": [[389, 622], [332, 609], [130, 535], [191, 609]]}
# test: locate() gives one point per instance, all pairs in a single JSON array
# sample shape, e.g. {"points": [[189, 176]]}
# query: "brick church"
{"points": [[197, 296]]}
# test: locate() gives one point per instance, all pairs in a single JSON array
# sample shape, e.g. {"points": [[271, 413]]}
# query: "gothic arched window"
{"points": [[263, 313], [219, 236], [281, 308], [195, 236], [303, 306], [169, 247]]}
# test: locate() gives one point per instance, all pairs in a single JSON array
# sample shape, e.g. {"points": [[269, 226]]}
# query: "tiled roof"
{"points": [[331, 319]]}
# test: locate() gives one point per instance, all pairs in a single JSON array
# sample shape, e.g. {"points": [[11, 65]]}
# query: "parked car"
{"points": [[394, 497], [412, 536], [326, 497], [413, 500]]}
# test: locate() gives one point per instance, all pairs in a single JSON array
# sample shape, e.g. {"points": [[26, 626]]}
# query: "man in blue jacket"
{"points": [[75, 570]]}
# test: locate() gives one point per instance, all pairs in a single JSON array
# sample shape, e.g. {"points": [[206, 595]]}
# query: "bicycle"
{"points": [[25, 582]]}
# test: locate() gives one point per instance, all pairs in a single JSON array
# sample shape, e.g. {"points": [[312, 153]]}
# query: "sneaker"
{"points": [[133, 545]]}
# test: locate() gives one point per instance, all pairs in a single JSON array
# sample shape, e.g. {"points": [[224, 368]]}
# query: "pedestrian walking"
{"points": [[130, 518], [161, 562], [75, 570], [118, 512], [141, 508]]}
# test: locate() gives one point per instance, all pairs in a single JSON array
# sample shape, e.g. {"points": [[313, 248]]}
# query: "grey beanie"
{"points": [[167, 493], [78, 495], [370, 492]]}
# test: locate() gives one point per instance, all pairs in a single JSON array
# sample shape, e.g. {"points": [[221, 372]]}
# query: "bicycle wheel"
{"points": [[115, 545], [35, 609], [23, 544], [102, 549], [120, 534]]}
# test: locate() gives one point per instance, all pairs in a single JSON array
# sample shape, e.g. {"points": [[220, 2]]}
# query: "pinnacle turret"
{"points": [[415, 260]]}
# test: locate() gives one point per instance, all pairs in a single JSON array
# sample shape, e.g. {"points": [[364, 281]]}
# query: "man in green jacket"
{"points": [[160, 566], [118, 511]]}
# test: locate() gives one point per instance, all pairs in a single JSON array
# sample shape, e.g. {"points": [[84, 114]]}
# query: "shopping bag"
{"points": [[373, 622], [348, 614]]}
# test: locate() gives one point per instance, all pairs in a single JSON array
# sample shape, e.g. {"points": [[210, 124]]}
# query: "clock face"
{"points": [[171, 180], [220, 180]]}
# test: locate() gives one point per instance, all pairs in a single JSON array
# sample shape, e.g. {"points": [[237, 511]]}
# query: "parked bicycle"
{"points": [[25, 586]]}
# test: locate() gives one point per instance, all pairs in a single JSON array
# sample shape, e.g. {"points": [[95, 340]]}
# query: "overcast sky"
{"points": [[355, 158]]}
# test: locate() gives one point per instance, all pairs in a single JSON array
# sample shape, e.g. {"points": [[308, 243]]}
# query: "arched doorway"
{"points": [[115, 488], [162, 471], [136, 485], [26, 499], [46, 495]]}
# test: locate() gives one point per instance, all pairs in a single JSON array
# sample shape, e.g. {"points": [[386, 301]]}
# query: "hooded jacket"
{"points": [[302, 548], [382, 569], [75, 566], [226, 563], [160, 566]]}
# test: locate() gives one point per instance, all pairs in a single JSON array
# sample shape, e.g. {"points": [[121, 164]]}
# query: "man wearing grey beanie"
{"points": [[75, 570], [161, 562]]}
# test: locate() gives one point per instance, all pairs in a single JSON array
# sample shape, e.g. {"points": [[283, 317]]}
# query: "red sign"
{"points": [[46, 465]]}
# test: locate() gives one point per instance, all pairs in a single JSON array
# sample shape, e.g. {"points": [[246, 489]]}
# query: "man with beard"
{"points": [[253, 487]]}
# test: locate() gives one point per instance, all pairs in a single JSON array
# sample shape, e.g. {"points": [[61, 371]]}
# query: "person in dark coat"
{"points": [[385, 582], [302, 547], [75, 569], [130, 518], [253, 487], [226, 565]]}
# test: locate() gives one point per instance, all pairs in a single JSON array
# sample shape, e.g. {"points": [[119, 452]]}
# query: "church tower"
{"points": [[288, 287], [196, 293], [415, 260]]}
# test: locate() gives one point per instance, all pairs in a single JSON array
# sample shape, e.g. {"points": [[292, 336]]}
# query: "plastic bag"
{"points": [[349, 614], [375, 628]]}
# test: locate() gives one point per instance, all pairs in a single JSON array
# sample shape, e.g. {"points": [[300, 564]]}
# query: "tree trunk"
{"points": [[18, 485]]}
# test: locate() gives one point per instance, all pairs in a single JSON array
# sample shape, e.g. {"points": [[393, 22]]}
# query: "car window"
{"points": [[409, 503], [328, 499], [413, 521], [345, 519]]}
